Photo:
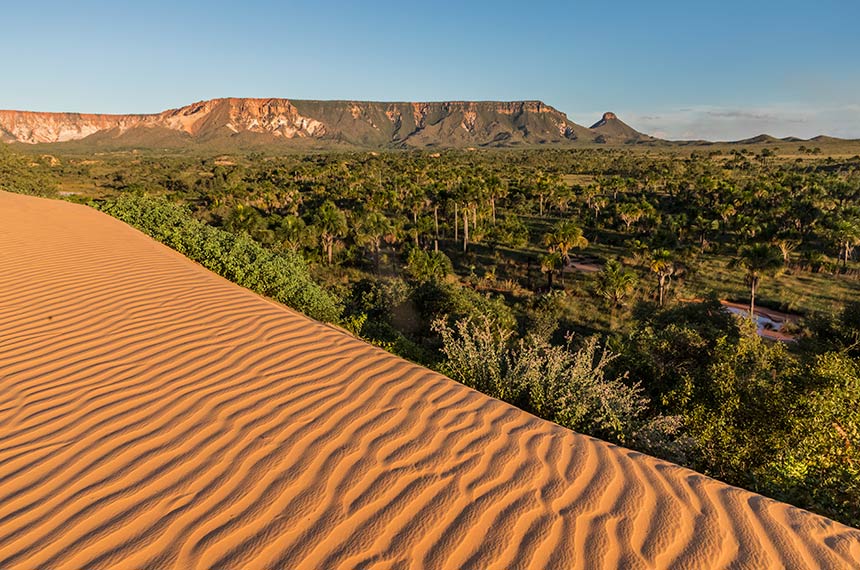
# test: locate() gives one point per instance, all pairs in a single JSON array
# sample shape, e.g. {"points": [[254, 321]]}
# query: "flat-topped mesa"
{"points": [[366, 124]]}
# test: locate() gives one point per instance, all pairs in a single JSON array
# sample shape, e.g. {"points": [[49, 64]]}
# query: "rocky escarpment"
{"points": [[317, 123], [30, 127]]}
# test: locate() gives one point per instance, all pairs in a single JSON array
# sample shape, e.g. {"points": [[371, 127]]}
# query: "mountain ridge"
{"points": [[300, 122], [339, 123]]}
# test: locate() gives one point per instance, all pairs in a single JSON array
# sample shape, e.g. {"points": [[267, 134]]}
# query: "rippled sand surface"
{"points": [[155, 416]]}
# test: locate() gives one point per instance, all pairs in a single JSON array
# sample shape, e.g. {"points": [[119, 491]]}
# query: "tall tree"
{"points": [[371, 230], [615, 282], [663, 266], [247, 219], [563, 237], [758, 261], [548, 264], [294, 234], [330, 222], [630, 213], [846, 234]]}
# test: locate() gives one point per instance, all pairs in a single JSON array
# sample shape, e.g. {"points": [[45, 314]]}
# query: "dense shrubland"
{"points": [[26, 175], [466, 262]]}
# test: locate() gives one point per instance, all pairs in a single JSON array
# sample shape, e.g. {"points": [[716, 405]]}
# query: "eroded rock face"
{"points": [[450, 123], [30, 127], [277, 117]]}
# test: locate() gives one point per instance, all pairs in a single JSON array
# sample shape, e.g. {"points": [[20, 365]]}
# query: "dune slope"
{"points": [[153, 415]]}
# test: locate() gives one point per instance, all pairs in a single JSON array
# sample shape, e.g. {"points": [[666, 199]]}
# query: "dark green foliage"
{"points": [[670, 348], [840, 332], [25, 175], [756, 414], [509, 232], [281, 276], [427, 265], [820, 466], [436, 299]]}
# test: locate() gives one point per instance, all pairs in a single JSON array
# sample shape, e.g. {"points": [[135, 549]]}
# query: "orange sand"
{"points": [[153, 415]]}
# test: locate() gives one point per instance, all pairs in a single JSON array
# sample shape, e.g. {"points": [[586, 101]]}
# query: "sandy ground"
{"points": [[153, 415]]}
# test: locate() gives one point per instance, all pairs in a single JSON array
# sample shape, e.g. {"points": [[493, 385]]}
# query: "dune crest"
{"points": [[153, 415]]}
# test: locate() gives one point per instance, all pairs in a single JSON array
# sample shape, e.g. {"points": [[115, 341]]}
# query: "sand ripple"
{"points": [[153, 415]]}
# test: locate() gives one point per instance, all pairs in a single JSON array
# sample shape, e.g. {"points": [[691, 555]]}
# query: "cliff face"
{"points": [[29, 127], [352, 123], [277, 117]]}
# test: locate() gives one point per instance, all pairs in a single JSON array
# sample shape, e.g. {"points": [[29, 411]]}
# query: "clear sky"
{"points": [[681, 69]]}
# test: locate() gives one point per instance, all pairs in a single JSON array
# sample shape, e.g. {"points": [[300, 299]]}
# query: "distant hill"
{"points": [[611, 128], [825, 139], [763, 139], [318, 124]]}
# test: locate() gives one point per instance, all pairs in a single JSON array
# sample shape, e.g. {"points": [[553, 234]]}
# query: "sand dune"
{"points": [[153, 415]]}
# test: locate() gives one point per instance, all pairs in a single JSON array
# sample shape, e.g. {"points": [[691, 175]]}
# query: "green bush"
{"points": [[570, 387], [820, 466], [282, 276], [425, 266]]}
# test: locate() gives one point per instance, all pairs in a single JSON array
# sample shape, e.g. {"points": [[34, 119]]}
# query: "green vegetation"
{"points": [[758, 261], [26, 175], [581, 285], [282, 276], [568, 386], [760, 414]]}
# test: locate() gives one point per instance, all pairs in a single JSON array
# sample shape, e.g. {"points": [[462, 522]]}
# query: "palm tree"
{"points": [[548, 264], [565, 235], [758, 260], [415, 204], [614, 282], [786, 245], [630, 213], [664, 267], [846, 233], [330, 221], [372, 229], [247, 219], [293, 233]]}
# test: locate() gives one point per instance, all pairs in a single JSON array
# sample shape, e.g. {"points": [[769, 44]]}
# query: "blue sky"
{"points": [[717, 70]]}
